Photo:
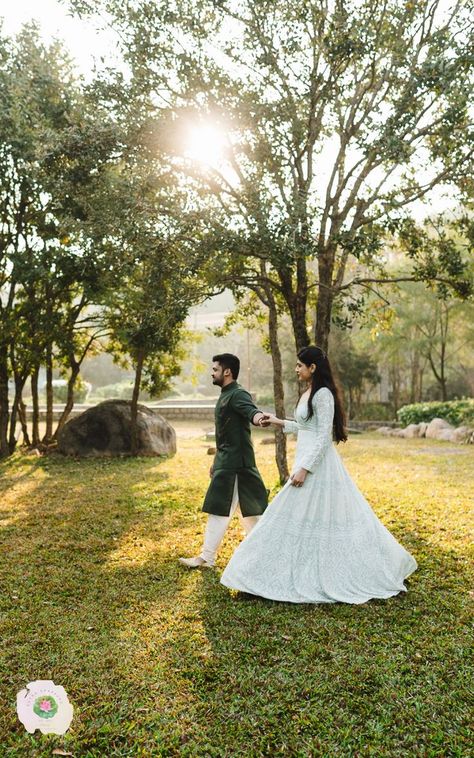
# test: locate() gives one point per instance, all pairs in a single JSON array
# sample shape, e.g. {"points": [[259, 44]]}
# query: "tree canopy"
{"points": [[338, 118]]}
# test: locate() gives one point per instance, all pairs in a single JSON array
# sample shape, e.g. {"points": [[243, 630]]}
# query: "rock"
{"points": [[397, 433], [446, 435], [411, 431], [387, 430], [211, 450], [462, 434], [268, 441], [104, 430], [437, 428], [423, 426]]}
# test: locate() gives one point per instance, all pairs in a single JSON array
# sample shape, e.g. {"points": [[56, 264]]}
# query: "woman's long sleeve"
{"points": [[290, 426], [323, 405]]}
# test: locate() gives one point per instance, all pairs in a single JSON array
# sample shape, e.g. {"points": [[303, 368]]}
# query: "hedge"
{"points": [[457, 412]]}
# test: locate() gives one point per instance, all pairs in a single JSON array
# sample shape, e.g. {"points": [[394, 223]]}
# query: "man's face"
{"points": [[218, 374]]}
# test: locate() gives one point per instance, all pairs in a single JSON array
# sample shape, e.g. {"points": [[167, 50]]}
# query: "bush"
{"points": [[457, 412], [118, 391], [375, 412], [81, 390]]}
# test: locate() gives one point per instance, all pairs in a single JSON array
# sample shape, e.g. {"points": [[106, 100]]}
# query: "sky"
{"points": [[82, 40]]}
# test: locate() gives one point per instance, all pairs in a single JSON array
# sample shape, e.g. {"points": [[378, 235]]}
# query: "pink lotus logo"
{"points": [[45, 707]]}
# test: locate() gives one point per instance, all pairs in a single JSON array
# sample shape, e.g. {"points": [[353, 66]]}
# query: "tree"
{"points": [[57, 151], [145, 318], [428, 332], [355, 367], [340, 116]]}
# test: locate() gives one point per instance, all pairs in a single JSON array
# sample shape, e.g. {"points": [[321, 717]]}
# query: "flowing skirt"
{"points": [[320, 543]]}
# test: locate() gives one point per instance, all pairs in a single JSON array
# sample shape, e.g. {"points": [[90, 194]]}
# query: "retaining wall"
{"points": [[183, 412]]}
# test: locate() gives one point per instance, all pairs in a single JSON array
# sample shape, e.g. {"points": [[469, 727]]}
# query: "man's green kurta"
{"points": [[235, 456]]}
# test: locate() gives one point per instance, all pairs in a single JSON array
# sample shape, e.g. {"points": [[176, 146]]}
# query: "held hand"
{"points": [[297, 479], [268, 419], [211, 471]]}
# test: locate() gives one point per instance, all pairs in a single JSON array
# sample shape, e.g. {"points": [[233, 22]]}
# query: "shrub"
{"points": [[375, 412], [119, 391], [457, 412], [81, 390]]}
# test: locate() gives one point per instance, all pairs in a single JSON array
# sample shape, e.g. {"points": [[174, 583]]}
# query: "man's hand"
{"points": [[211, 471], [270, 418], [297, 479]]}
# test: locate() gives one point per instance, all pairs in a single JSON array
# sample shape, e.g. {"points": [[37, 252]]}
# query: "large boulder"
{"points": [[411, 431], [463, 434], [105, 430], [439, 429]]}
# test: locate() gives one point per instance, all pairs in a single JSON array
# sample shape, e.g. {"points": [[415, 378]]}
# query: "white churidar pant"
{"points": [[217, 526]]}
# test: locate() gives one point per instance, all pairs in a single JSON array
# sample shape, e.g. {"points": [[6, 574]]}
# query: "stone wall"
{"points": [[191, 412], [169, 412]]}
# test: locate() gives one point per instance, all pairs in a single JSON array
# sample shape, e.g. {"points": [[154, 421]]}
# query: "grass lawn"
{"points": [[160, 661]]}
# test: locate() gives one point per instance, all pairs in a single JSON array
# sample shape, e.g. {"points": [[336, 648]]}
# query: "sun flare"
{"points": [[206, 144]]}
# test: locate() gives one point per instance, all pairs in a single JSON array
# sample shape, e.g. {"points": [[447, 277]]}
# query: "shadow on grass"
{"points": [[338, 679], [160, 661], [86, 565]]}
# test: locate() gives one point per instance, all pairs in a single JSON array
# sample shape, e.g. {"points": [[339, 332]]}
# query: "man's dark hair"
{"points": [[227, 360]]}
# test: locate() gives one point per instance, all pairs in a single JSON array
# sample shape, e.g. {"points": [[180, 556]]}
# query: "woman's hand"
{"points": [[269, 418], [297, 479]]}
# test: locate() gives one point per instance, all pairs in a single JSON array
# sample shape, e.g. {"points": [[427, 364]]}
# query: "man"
{"points": [[236, 484]]}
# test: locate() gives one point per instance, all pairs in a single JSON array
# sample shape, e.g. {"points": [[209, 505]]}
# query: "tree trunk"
{"points": [[296, 303], [134, 404], [19, 384], [11, 436], [395, 377], [420, 385], [439, 375], [415, 373], [278, 391], [20, 375], [324, 304], [35, 403], [75, 368], [442, 377], [4, 402], [48, 437], [350, 404], [24, 422], [302, 338]]}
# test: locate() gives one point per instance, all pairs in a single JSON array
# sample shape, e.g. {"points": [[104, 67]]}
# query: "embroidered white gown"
{"points": [[322, 542]]}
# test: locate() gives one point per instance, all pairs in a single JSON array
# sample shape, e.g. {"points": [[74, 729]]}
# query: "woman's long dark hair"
{"points": [[323, 377]]}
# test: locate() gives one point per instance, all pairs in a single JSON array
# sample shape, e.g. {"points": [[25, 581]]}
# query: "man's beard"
{"points": [[218, 382]]}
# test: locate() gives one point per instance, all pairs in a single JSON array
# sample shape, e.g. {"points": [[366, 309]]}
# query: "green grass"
{"points": [[159, 661]]}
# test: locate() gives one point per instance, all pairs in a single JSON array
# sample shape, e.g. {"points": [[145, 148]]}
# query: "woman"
{"points": [[319, 541]]}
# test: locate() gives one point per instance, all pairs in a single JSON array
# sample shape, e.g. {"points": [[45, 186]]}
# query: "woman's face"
{"points": [[304, 372]]}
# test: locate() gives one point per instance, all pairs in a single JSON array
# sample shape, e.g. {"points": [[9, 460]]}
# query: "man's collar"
{"points": [[229, 386]]}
